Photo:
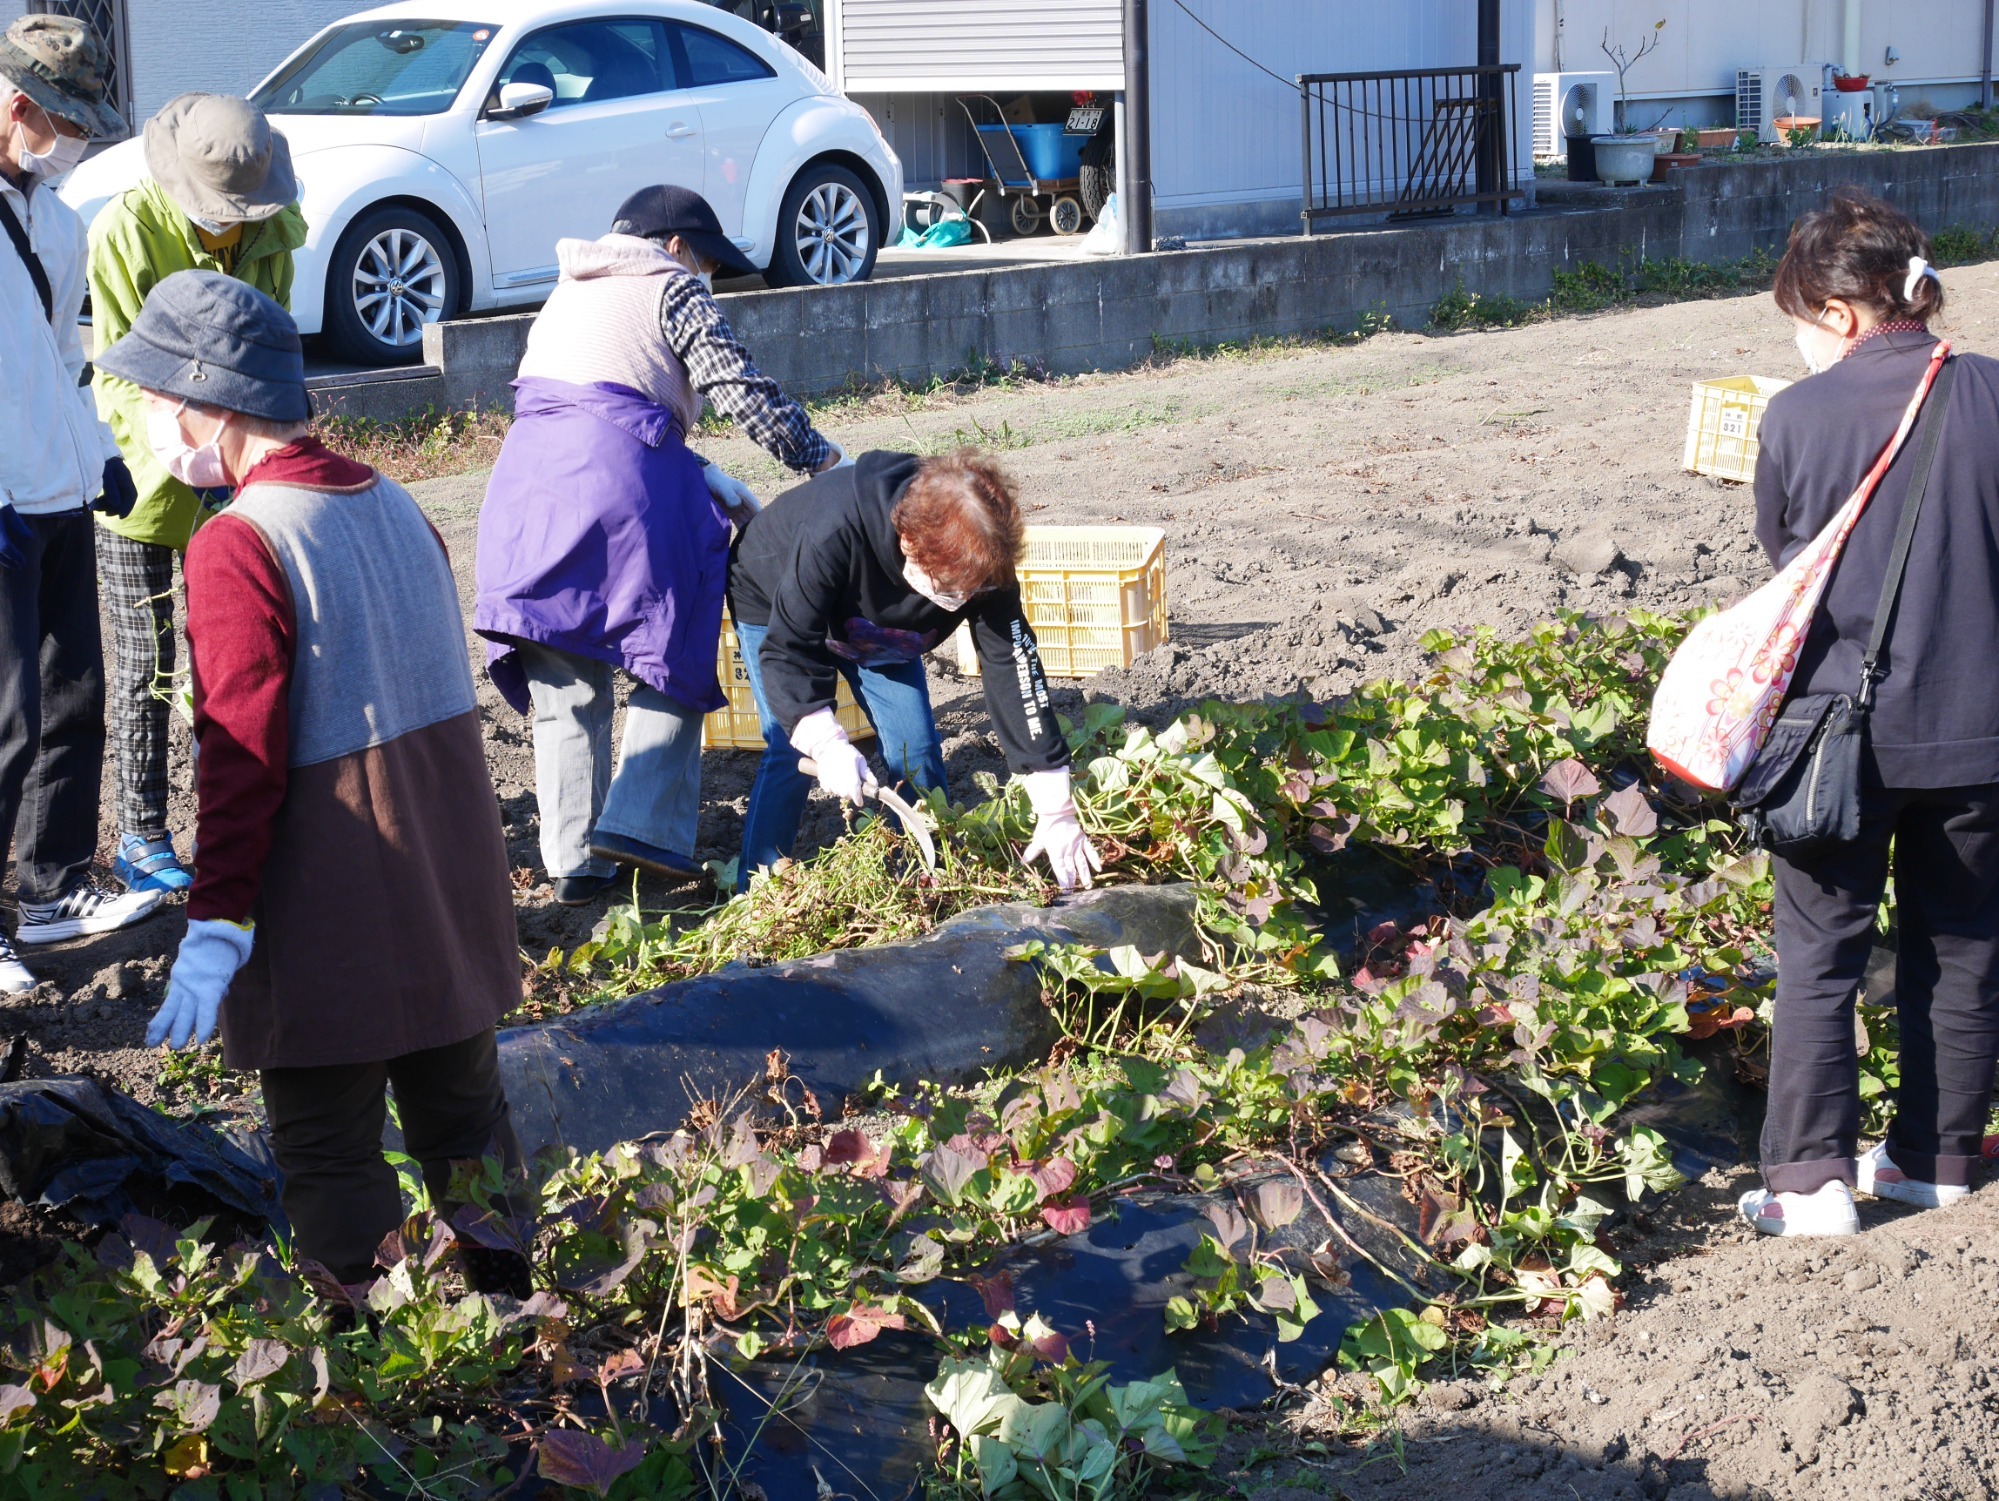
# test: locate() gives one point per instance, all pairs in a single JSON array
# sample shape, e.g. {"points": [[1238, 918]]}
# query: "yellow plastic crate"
{"points": [[1095, 595], [1721, 430], [736, 727]]}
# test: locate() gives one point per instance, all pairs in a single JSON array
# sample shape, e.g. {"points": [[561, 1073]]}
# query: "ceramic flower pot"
{"points": [[1624, 160]]}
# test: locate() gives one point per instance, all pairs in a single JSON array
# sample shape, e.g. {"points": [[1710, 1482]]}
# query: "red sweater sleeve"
{"points": [[242, 637]]}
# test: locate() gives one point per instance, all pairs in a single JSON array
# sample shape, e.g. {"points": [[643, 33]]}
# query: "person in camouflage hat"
{"points": [[62, 67], [57, 462]]}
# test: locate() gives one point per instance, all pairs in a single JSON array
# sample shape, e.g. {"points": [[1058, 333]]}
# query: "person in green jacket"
{"points": [[220, 197]]}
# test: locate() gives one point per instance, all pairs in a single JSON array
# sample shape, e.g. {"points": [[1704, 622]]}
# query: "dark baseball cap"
{"points": [[212, 339], [663, 211]]}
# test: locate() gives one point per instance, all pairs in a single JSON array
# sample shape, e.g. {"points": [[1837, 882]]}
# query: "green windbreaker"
{"points": [[138, 239]]}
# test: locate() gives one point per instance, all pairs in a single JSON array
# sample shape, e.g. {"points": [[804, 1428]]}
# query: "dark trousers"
{"points": [[326, 1133], [51, 704], [139, 597], [1946, 866]]}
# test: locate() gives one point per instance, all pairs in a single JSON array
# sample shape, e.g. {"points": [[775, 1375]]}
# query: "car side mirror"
{"points": [[519, 100]]}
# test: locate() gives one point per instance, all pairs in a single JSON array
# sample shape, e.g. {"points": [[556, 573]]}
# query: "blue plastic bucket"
{"points": [[1050, 153]]}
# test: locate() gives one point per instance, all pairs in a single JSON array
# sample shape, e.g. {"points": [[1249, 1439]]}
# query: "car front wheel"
{"points": [[392, 272], [828, 231]]}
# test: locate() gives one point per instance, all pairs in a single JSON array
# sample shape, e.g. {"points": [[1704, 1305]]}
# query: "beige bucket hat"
{"points": [[218, 158], [61, 64]]}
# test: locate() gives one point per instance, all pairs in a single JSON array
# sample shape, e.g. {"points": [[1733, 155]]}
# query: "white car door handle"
{"points": [[678, 130]]}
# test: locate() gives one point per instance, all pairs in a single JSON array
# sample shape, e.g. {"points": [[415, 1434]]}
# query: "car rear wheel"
{"points": [[828, 231], [392, 272]]}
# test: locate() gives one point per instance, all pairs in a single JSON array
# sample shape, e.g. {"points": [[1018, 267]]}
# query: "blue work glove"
{"points": [[119, 494], [209, 957], [15, 539]]}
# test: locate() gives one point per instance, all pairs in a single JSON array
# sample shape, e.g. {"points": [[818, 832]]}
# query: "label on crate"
{"points": [[1734, 422]]}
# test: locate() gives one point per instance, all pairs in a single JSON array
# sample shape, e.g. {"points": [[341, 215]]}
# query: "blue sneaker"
{"points": [[150, 865]]}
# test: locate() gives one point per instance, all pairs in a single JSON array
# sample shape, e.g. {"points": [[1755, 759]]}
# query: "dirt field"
{"points": [[1324, 509]]}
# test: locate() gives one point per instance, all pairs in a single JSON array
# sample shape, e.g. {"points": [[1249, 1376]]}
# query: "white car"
{"points": [[443, 148]]}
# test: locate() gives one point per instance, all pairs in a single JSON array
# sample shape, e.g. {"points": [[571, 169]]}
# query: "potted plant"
{"points": [[1627, 156], [1623, 61]]}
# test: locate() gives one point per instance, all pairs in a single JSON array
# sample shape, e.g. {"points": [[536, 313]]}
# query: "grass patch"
{"points": [[429, 445], [1962, 245], [1458, 310]]}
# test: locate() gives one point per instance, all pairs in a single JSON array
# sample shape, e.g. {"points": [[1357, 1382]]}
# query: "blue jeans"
{"points": [[896, 700]]}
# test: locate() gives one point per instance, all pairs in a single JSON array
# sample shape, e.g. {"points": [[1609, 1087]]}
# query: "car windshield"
{"points": [[378, 68]]}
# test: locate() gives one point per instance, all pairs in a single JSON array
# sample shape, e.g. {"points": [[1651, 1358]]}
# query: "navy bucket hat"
{"points": [[211, 339]]}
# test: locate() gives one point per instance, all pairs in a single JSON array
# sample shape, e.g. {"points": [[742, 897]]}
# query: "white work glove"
{"points": [[1058, 830], [729, 490], [843, 771], [210, 955], [839, 460]]}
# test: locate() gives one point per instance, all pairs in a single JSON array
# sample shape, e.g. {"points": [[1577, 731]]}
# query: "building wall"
{"points": [[1225, 137], [218, 46], [1691, 77], [213, 46]]}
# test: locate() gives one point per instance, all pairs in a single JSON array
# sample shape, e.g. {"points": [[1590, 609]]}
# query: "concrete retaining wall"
{"points": [[1106, 315]]}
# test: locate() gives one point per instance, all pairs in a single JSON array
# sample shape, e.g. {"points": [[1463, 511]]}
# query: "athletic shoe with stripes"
{"points": [[15, 978], [81, 912]]}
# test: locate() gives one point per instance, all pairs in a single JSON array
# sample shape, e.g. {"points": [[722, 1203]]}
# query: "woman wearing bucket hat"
{"points": [[352, 899], [220, 196], [603, 543], [56, 461]]}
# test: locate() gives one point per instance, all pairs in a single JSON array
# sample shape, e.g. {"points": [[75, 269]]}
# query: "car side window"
{"points": [[588, 62], [710, 59]]}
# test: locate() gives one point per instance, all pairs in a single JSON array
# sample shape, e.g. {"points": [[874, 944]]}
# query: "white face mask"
{"points": [[60, 158], [214, 228], [198, 468], [923, 584], [706, 278], [1807, 339]]}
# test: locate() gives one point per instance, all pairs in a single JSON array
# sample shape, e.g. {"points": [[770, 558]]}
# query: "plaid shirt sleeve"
{"points": [[720, 369]]}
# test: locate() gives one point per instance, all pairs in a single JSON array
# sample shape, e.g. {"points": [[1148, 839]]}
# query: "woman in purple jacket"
{"points": [[1857, 284], [603, 542]]}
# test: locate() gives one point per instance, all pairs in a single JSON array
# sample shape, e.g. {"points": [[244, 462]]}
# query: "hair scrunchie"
{"points": [[1918, 269]]}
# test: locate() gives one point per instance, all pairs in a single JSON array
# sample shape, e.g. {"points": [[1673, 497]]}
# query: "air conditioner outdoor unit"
{"points": [[1567, 104], [1764, 96]]}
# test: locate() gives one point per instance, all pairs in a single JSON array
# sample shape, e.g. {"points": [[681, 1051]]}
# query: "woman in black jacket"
{"points": [[856, 574], [1857, 282]]}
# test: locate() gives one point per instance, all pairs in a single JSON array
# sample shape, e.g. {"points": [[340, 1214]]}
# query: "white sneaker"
{"points": [[14, 976], [83, 911], [1827, 1211], [1883, 1180]]}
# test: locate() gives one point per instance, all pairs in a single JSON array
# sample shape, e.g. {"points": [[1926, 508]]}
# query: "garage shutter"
{"points": [[922, 46]]}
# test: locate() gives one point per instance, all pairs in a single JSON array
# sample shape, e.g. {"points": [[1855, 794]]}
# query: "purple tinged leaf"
{"points": [[996, 1292], [1054, 1177], [261, 1358], [1276, 1203], [1631, 812], [192, 1404], [1568, 780], [1067, 1217], [1230, 1226], [948, 1170], [150, 1237], [582, 1460], [14, 1400]]}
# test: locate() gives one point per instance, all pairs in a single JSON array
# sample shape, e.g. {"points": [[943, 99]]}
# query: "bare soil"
{"points": [[1325, 507]]}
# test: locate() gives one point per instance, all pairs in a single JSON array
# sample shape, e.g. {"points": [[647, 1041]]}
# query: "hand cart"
{"points": [[1026, 194]]}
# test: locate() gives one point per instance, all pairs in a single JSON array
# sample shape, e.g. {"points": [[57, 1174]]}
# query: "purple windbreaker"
{"points": [[599, 538]]}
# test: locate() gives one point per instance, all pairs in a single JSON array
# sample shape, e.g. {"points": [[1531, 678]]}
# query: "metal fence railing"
{"points": [[1407, 144]]}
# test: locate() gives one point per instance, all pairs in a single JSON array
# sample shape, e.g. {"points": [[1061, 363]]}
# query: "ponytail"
{"points": [[1863, 252]]}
